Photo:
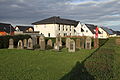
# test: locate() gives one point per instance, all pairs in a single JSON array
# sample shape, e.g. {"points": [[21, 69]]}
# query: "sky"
{"points": [[24, 12]]}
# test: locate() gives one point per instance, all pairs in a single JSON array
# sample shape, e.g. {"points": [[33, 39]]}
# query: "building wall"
{"points": [[103, 33], [46, 29], [54, 29], [86, 31]]}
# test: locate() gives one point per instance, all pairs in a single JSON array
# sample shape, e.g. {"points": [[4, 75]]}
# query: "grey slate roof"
{"points": [[24, 28], [92, 28], [110, 32], [57, 20], [4, 27]]}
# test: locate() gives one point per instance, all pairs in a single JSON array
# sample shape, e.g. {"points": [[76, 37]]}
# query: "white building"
{"points": [[86, 30], [106, 32], [52, 26]]}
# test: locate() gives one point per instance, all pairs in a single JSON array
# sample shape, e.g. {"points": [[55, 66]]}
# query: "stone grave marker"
{"points": [[96, 43], [67, 42], [88, 43], [82, 42], [11, 43], [42, 42], [78, 43], [20, 44], [25, 43], [56, 47], [71, 46], [30, 44], [49, 43], [59, 40]]}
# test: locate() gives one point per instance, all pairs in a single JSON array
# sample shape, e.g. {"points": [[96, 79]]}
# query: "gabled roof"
{"points": [[4, 27], [24, 28], [92, 28], [56, 20], [110, 32]]}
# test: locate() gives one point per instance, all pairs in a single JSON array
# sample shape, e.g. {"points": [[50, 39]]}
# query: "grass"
{"points": [[38, 65]]}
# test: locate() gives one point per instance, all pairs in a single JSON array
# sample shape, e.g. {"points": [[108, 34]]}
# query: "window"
{"points": [[65, 34], [70, 34], [70, 27], [59, 27], [63, 27], [48, 34], [86, 30]]}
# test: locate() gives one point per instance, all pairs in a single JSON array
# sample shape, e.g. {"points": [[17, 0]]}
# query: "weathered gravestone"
{"points": [[71, 46], [11, 44], [82, 42], [42, 42], [34, 39], [59, 40], [25, 43], [20, 44], [96, 43], [118, 41], [78, 43], [67, 42], [58, 43], [30, 44], [49, 43], [88, 43], [56, 47]]}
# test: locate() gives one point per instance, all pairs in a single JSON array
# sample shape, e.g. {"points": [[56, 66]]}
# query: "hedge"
{"points": [[4, 40]]}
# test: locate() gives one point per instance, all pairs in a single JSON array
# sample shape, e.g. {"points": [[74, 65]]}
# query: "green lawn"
{"points": [[38, 65]]}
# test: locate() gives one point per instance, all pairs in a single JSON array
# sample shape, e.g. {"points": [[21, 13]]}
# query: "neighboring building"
{"points": [[86, 30], [106, 32], [24, 28], [52, 26], [6, 29]]}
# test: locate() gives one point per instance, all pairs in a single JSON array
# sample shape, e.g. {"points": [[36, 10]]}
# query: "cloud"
{"points": [[101, 12]]}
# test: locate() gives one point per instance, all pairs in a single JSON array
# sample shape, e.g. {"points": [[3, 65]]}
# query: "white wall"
{"points": [[86, 32], [46, 29], [103, 33], [54, 29]]}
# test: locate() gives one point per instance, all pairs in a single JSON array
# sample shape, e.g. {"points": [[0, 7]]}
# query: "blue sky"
{"points": [[25, 12]]}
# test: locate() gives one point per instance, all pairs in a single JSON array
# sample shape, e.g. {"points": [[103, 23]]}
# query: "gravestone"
{"points": [[59, 40], [118, 41], [88, 43], [82, 42], [34, 39], [96, 43], [25, 43], [56, 47], [78, 43], [67, 42], [11, 44], [42, 42], [49, 43], [20, 44], [71, 46], [30, 44]]}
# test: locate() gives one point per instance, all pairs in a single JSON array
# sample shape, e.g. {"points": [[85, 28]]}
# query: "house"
{"points": [[52, 26], [24, 28], [106, 32], [6, 29], [86, 30]]}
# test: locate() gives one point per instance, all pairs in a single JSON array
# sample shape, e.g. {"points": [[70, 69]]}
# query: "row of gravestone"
{"points": [[21, 44], [70, 43], [81, 43]]}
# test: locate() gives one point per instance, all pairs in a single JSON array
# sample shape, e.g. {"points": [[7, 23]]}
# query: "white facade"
{"points": [[51, 30], [85, 32], [103, 33]]}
